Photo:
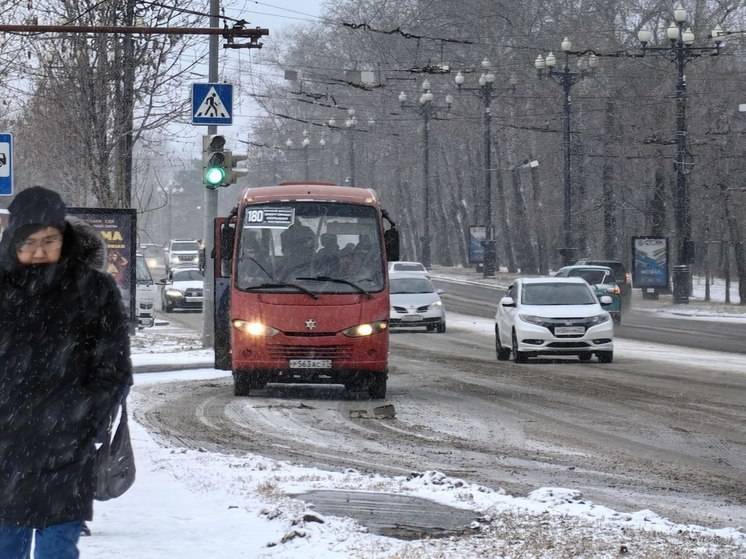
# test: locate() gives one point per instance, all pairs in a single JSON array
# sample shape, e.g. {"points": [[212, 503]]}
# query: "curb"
{"points": [[166, 367]]}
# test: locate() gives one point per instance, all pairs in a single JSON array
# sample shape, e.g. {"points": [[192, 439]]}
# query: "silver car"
{"points": [[415, 302]]}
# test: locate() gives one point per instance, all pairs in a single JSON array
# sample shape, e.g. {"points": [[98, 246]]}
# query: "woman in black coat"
{"points": [[64, 366]]}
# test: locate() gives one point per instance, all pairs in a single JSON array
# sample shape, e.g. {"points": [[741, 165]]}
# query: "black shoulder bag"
{"points": [[115, 461]]}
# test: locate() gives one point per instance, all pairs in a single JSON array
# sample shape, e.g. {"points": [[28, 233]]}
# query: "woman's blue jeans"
{"points": [[59, 541]]}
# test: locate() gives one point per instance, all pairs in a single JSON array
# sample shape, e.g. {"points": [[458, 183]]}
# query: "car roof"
{"points": [[586, 267], [408, 274], [551, 279], [599, 262], [408, 262]]}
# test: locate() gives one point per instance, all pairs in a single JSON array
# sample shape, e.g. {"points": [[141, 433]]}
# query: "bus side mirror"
{"points": [[391, 240]]}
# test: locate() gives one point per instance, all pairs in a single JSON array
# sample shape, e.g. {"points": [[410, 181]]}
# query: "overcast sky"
{"points": [[240, 68]]}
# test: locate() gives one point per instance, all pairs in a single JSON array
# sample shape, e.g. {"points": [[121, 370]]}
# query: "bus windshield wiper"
{"points": [[282, 284], [336, 280]]}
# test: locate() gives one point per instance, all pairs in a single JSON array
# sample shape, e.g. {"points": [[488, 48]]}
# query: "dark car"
{"points": [[623, 278]]}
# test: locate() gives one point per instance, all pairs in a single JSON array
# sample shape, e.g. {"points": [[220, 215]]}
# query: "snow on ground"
{"points": [[194, 504]]}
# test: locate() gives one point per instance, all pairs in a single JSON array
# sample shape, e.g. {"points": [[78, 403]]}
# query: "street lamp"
{"points": [[350, 124], [681, 51], [305, 143], [566, 77], [486, 92], [426, 108]]}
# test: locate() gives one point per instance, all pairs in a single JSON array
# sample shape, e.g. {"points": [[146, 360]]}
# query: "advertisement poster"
{"points": [[650, 262], [477, 234], [118, 227]]}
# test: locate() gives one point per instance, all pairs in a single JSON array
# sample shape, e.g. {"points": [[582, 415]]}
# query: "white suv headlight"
{"points": [[599, 319], [532, 319]]}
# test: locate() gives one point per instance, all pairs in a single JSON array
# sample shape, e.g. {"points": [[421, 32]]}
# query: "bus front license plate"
{"points": [[310, 363]]}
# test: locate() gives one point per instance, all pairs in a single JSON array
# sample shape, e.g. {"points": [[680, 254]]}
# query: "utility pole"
{"points": [[210, 202]]}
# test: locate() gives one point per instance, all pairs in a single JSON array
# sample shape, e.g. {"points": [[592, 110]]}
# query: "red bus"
{"points": [[301, 288]]}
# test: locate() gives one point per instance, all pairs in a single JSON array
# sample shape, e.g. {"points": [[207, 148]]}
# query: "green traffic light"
{"points": [[214, 176]]}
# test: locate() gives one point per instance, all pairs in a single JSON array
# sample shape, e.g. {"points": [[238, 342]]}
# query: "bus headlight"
{"points": [[255, 328], [367, 329]]}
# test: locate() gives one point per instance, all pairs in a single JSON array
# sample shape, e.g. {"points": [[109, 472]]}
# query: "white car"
{"points": [[182, 253], [415, 302], [404, 266], [183, 289], [553, 316], [145, 293]]}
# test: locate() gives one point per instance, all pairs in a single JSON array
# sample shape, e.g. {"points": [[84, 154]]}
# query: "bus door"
{"points": [[224, 232]]}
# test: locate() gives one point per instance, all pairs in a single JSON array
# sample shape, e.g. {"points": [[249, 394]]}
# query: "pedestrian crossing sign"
{"points": [[212, 104]]}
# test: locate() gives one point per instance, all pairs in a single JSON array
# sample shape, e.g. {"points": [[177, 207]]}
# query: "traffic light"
{"points": [[215, 161]]}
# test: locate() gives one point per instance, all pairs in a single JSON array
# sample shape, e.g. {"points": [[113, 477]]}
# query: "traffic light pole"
{"points": [[210, 203]]}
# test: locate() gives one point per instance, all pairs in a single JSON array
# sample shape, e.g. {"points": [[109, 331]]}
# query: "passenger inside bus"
{"points": [[326, 262], [298, 249]]}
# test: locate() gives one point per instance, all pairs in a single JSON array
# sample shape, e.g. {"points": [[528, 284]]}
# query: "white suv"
{"points": [[553, 316], [182, 252]]}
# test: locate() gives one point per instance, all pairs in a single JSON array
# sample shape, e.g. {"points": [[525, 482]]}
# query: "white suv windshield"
{"points": [[556, 294], [188, 246], [321, 247]]}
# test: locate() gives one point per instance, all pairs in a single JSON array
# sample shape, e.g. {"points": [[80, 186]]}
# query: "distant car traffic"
{"points": [[403, 266], [415, 302], [182, 252], [182, 289], [602, 279], [622, 277], [553, 316]]}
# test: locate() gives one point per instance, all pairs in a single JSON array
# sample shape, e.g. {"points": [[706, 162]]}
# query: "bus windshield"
{"points": [[324, 247]]}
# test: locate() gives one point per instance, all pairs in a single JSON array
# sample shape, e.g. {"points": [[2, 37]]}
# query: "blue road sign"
{"points": [[6, 164], [212, 104]]}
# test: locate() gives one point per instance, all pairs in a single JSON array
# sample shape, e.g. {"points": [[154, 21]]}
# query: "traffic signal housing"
{"points": [[216, 161]]}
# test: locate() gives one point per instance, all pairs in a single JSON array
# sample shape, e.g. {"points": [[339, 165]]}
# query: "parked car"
{"points": [[623, 278], [182, 289], [145, 293], [415, 302], [182, 252], [404, 266], [553, 316], [602, 279]]}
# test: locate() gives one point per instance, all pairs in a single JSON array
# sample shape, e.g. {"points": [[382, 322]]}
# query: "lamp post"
{"points": [[486, 92], [681, 51], [171, 190], [566, 77], [350, 124], [305, 143], [426, 109]]}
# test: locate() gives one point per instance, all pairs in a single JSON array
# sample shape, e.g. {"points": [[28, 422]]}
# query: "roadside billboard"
{"points": [[118, 227], [650, 267], [477, 236]]}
